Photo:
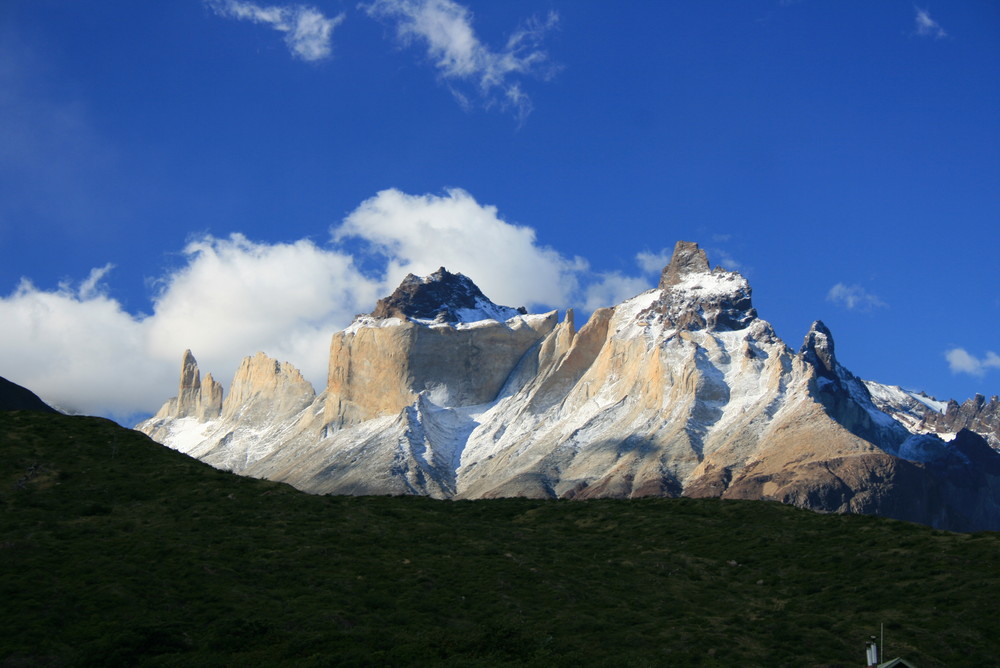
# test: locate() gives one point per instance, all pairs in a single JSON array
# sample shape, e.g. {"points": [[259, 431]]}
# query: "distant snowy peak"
{"points": [[895, 397], [441, 297], [692, 296], [923, 414]]}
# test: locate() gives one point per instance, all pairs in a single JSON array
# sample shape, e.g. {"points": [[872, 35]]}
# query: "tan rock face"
{"points": [[202, 400], [264, 386], [189, 392], [209, 400], [380, 370]]}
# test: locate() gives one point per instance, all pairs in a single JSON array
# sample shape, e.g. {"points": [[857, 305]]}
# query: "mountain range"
{"points": [[682, 390]]}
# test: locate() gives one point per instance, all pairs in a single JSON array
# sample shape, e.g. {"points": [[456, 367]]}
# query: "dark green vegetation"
{"points": [[117, 551]]}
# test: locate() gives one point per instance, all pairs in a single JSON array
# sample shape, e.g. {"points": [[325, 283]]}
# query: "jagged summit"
{"points": [[692, 296], [818, 349], [688, 258], [443, 297], [195, 398]]}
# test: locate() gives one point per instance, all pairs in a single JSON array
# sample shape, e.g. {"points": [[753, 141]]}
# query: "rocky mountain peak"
{"points": [[693, 296], [263, 386], [190, 384], [817, 349], [688, 258], [441, 296], [195, 398]]}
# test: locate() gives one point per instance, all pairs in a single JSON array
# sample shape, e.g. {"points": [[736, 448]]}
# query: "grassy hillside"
{"points": [[117, 551]]}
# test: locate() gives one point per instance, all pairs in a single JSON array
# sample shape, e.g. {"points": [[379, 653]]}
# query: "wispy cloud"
{"points": [[854, 297], [308, 31], [722, 258], [925, 26], [653, 263], [961, 361], [445, 29]]}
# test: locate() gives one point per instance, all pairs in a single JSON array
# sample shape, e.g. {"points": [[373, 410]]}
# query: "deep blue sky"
{"points": [[845, 155]]}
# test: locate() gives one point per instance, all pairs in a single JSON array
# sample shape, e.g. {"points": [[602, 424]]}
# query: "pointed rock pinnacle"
{"points": [[687, 259]]}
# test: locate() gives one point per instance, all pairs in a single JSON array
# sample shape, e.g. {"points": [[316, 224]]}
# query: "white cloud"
{"points": [[80, 350], [854, 297], [611, 289], [307, 30], [445, 28], [419, 233], [653, 263], [960, 361], [926, 26], [234, 297]]}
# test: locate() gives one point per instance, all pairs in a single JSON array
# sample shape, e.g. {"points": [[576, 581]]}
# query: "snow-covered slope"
{"points": [[909, 408], [923, 414], [680, 390]]}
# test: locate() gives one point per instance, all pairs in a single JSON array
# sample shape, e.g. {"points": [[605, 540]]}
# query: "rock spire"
{"points": [[195, 398], [688, 258]]}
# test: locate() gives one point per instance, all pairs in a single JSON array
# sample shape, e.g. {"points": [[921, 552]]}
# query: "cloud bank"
{"points": [[307, 30], [961, 361], [229, 297], [444, 28], [419, 233]]}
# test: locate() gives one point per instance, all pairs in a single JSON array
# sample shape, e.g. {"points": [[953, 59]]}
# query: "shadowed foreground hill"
{"points": [[13, 397], [117, 551]]}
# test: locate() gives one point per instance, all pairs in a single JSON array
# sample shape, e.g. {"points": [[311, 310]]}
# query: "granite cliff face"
{"points": [[194, 398], [680, 390]]}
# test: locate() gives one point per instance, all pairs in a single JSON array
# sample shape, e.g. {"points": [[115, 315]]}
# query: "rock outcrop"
{"points": [[976, 414], [923, 414], [13, 397], [201, 400], [442, 297], [682, 390]]}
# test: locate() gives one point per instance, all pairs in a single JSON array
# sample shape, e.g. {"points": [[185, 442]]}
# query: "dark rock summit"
{"points": [[441, 296], [817, 349]]}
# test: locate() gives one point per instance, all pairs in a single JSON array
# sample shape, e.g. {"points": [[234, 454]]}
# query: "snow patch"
{"points": [[704, 286], [187, 433], [367, 321], [626, 321]]}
